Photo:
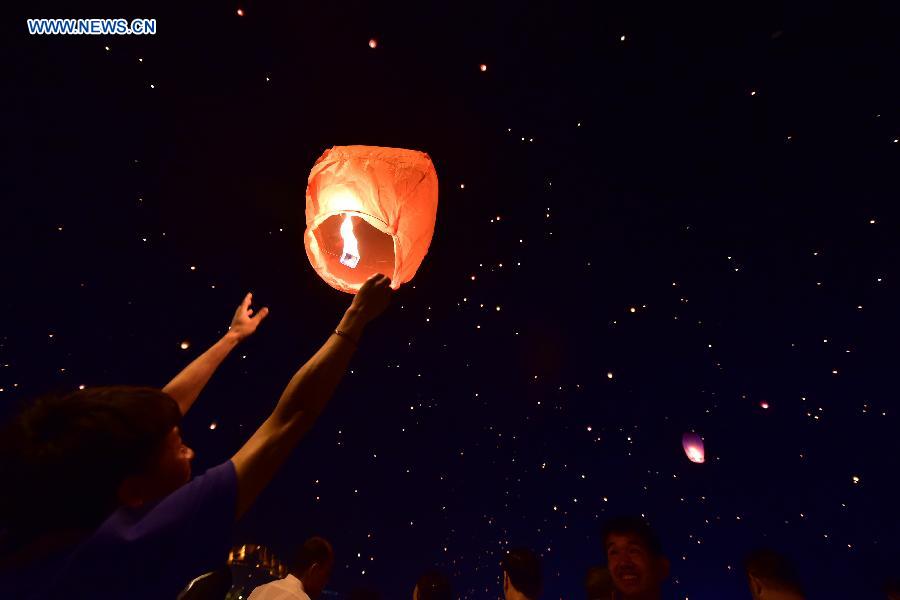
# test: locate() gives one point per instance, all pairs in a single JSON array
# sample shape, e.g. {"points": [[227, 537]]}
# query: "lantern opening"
{"points": [[353, 250], [694, 454]]}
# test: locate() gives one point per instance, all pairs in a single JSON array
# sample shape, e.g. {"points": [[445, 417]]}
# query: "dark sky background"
{"points": [[729, 171]]}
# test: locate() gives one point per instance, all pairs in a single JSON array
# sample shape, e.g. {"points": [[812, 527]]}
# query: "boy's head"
{"points": [[76, 457], [522, 571], [433, 585], [313, 565], [771, 574], [635, 558]]}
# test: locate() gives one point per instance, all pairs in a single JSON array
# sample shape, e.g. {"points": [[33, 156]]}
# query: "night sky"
{"points": [[651, 221]]}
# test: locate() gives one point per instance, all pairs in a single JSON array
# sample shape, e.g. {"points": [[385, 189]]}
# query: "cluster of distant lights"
{"points": [[373, 43]]}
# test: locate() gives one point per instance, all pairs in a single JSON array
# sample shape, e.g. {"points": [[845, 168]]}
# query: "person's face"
{"points": [[635, 572], [173, 467], [169, 470]]}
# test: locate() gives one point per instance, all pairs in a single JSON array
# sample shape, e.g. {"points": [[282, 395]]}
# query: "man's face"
{"points": [[635, 572]]}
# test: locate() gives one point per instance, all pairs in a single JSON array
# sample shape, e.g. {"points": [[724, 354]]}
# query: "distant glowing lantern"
{"points": [[373, 43], [483, 67], [693, 447], [369, 210]]}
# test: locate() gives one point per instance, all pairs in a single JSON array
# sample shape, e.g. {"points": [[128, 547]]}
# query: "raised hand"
{"points": [[372, 298], [244, 323]]}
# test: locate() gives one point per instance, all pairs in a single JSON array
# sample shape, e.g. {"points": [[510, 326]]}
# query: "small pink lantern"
{"points": [[693, 447]]}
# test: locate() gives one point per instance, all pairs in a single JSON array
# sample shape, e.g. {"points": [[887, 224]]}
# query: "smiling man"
{"points": [[635, 558]]}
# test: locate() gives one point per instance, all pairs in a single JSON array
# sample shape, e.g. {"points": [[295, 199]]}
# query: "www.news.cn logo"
{"points": [[92, 26]]}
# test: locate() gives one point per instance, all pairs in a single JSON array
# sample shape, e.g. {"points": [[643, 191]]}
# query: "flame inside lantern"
{"points": [[693, 447], [350, 255]]}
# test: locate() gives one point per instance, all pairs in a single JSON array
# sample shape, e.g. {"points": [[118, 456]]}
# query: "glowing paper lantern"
{"points": [[369, 210], [693, 447]]}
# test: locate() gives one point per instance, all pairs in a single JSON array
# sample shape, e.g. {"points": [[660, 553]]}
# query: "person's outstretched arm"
{"points": [[188, 384], [306, 395]]}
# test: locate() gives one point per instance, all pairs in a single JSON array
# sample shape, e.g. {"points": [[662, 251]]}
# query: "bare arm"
{"points": [[188, 384], [305, 396]]}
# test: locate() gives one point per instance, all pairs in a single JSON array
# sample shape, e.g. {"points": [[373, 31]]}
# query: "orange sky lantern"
{"points": [[369, 210]]}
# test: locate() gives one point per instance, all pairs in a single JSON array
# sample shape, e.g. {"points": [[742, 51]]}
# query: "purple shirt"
{"points": [[153, 552]]}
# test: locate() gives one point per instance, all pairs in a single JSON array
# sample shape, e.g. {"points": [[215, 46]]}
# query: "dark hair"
{"points": [[598, 583], [314, 550], [434, 585], [773, 568], [636, 526], [524, 570], [63, 457]]}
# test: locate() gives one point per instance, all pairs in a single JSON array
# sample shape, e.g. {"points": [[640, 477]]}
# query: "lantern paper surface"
{"points": [[369, 210], [693, 447]]}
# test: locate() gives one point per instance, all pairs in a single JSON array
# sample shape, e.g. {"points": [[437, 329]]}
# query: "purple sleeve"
{"points": [[188, 533]]}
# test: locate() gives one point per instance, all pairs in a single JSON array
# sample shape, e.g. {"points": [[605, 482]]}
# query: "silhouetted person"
{"points": [[598, 584], [635, 559], [433, 585], [892, 589], [772, 576], [103, 504], [308, 577], [522, 578]]}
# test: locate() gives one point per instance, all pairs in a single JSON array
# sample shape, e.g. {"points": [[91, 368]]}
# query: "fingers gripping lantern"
{"points": [[369, 210]]}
